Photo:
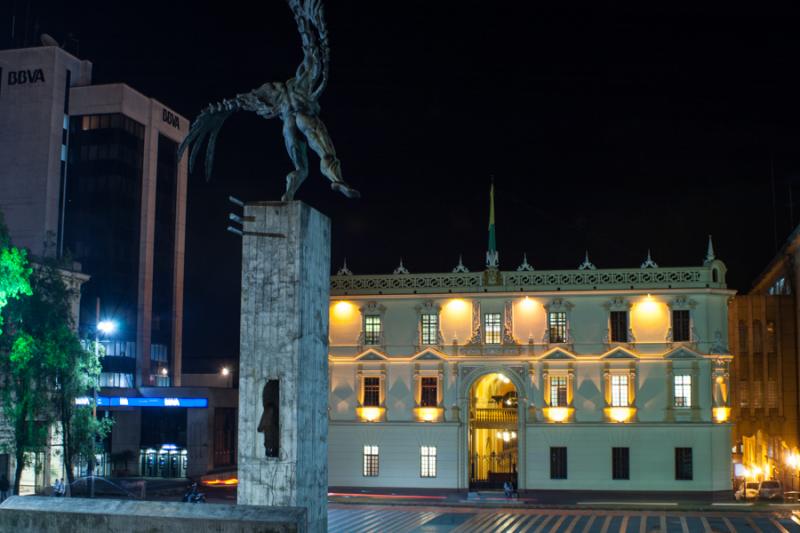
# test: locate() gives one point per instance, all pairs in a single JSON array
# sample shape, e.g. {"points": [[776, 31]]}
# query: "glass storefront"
{"points": [[166, 461]]}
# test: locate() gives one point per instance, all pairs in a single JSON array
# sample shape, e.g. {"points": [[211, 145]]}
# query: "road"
{"points": [[395, 519]]}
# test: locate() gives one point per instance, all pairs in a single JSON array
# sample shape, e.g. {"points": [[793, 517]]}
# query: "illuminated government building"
{"points": [[590, 379]]}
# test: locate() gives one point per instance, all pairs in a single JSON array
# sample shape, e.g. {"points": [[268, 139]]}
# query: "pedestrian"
{"points": [[58, 488], [4, 486], [507, 489]]}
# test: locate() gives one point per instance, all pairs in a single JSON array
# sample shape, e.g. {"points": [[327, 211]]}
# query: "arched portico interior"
{"points": [[493, 436]]}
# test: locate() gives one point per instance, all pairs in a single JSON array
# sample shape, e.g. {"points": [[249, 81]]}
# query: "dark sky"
{"points": [[612, 130]]}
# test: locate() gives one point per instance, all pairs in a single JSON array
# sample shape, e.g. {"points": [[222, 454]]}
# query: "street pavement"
{"points": [[343, 518]]}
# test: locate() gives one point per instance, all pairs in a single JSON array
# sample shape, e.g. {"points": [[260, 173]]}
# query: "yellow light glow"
{"points": [[756, 471], [648, 305], [456, 305], [503, 378], [620, 414], [720, 380], [746, 473], [527, 305], [721, 414], [343, 311], [557, 414], [370, 414], [428, 414]]}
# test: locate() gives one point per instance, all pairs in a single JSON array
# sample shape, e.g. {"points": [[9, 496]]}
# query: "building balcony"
{"points": [[488, 417], [620, 415], [429, 414], [371, 414]]}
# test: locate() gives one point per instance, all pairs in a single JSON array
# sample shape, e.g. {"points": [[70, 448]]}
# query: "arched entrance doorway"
{"points": [[493, 432]]}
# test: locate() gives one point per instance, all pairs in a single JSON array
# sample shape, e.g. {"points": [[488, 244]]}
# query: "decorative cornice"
{"points": [[541, 280], [344, 271], [401, 269]]}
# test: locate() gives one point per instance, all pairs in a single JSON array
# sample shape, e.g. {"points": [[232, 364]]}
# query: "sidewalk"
{"points": [[559, 500]]}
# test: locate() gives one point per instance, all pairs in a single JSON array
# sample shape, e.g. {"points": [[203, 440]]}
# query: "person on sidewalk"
{"points": [[508, 489], [4, 486]]}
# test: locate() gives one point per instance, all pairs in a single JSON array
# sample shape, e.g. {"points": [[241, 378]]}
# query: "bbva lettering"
{"points": [[170, 119], [21, 77]]}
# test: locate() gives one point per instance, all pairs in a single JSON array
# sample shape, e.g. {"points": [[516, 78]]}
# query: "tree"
{"points": [[14, 271], [44, 368]]}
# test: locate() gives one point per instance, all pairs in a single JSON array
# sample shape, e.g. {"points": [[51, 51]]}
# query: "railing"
{"points": [[538, 280], [495, 415], [492, 470]]}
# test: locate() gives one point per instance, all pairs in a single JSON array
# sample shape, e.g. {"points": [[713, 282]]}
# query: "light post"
{"points": [[106, 327]]}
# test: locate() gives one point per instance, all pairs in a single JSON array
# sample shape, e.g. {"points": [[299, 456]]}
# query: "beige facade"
{"points": [[765, 375], [575, 379]]}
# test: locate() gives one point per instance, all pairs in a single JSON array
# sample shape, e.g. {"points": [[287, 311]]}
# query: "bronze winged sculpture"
{"points": [[295, 101]]}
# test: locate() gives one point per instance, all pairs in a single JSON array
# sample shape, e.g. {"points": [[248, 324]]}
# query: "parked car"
{"points": [[747, 491], [770, 490]]}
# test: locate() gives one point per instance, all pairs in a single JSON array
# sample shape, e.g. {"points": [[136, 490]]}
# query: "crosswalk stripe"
{"points": [[753, 525], [728, 523], [531, 523], [606, 523], [544, 523], [624, 525], [778, 525], [684, 525], [706, 525], [588, 524], [572, 524]]}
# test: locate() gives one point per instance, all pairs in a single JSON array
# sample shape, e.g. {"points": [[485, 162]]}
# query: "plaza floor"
{"points": [[393, 519]]}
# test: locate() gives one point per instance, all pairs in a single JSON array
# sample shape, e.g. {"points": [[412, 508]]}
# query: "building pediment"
{"points": [[618, 352], [428, 354], [557, 354], [371, 355], [682, 353]]}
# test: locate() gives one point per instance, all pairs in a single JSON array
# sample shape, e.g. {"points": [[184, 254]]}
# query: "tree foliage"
{"points": [[44, 366], [14, 271]]}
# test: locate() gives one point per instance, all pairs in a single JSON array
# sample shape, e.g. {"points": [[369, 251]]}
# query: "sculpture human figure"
{"points": [[268, 425], [295, 101]]}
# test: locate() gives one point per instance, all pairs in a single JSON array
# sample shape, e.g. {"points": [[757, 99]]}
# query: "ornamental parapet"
{"points": [[700, 277]]}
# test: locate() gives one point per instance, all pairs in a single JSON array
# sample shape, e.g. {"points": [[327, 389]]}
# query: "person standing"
{"points": [[4, 486]]}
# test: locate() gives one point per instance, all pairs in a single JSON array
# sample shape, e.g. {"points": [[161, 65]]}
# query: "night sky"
{"points": [[615, 131]]}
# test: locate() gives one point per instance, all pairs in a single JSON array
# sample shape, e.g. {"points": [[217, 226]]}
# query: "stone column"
{"points": [[284, 337]]}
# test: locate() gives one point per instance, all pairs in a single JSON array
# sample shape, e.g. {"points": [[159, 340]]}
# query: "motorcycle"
{"points": [[192, 496]]}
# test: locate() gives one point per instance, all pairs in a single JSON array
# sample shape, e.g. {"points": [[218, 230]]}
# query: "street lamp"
{"points": [[226, 371], [106, 327]]}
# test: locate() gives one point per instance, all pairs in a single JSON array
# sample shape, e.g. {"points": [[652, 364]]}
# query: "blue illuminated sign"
{"points": [[122, 401]]}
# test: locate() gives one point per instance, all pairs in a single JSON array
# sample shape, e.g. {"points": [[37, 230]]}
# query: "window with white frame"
{"points": [[619, 390], [558, 391], [492, 324], [371, 461], [683, 390], [372, 329], [429, 327], [427, 461], [557, 326]]}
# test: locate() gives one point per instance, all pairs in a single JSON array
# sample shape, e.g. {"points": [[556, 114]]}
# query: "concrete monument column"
{"points": [[283, 362]]}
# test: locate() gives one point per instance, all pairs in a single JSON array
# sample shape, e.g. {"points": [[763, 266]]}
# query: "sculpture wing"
{"points": [[310, 18], [206, 125]]}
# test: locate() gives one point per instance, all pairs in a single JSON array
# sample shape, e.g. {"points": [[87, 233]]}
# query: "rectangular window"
{"points": [[619, 390], [427, 461], [558, 462], [558, 391], [620, 463], [557, 326], [372, 329], [430, 329], [680, 325], [683, 463], [683, 391], [619, 326], [372, 392], [492, 325], [429, 394], [370, 461]]}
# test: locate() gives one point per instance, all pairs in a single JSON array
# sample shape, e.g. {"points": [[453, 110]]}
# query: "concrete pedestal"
{"points": [[284, 337]]}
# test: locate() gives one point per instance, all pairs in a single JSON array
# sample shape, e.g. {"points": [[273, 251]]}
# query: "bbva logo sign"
{"points": [[22, 77]]}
